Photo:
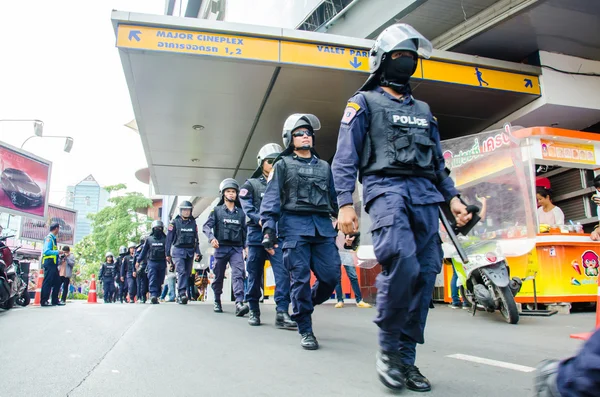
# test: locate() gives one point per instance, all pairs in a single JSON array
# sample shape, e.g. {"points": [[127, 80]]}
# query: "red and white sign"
{"points": [[24, 183], [37, 230]]}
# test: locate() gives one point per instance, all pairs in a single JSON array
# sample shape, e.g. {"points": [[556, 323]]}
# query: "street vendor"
{"points": [[547, 212]]}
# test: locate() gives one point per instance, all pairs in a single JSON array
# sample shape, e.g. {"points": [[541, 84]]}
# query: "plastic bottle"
{"points": [[579, 227]]}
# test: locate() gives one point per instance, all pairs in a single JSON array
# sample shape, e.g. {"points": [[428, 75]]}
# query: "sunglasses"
{"points": [[298, 134], [269, 161]]}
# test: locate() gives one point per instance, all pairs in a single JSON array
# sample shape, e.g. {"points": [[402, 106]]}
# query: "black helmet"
{"points": [[122, 250], [228, 183], [157, 223], [185, 205]]}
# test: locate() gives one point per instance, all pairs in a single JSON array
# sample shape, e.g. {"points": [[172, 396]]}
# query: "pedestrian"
{"points": [[297, 208], [225, 229], [67, 262], [154, 250], [183, 238], [128, 273], [392, 141], [251, 196], [108, 275], [347, 258], [141, 273], [121, 284], [51, 283]]}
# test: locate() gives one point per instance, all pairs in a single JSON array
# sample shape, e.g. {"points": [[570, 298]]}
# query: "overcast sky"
{"points": [[59, 64]]}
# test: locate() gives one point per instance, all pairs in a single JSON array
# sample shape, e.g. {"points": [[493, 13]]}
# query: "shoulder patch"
{"points": [[170, 226], [350, 112], [243, 192]]}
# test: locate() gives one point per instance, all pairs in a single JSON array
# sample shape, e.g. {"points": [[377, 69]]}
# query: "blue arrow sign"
{"points": [[355, 63], [133, 34], [528, 83]]}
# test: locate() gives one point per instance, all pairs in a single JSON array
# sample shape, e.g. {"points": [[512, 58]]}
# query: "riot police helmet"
{"points": [[157, 223], [299, 120], [122, 250], [130, 245], [228, 183], [185, 205], [109, 255], [268, 151]]}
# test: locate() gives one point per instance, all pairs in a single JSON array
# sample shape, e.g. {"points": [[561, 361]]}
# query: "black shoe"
{"points": [[254, 318], [61, 304], [545, 379], [182, 300], [154, 300], [131, 301], [241, 310], [389, 369], [284, 321], [45, 304], [217, 308], [309, 341], [415, 380]]}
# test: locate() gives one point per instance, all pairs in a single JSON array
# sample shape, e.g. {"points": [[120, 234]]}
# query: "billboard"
{"points": [[37, 230], [24, 183]]}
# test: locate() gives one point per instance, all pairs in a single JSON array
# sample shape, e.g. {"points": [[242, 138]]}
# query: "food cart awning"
{"points": [[207, 95]]}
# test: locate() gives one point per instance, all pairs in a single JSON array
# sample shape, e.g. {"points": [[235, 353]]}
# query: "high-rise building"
{"points": [[87, 197]]}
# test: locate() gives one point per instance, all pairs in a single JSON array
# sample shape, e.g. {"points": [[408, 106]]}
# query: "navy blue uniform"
{"points": [[579, 376], [108, 275], [156, 262], [257, 255], [230, 251], [127, 270], [308, 243], [404, 215], [182, 245], [51, 283]]}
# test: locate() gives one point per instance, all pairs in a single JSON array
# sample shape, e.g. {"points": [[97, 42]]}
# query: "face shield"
{"points": [[395, 34], [299, 120]]}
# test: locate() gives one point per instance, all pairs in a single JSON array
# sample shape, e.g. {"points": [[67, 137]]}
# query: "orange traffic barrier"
{"points": [[586, 335], [92, 296], [38, 289]]}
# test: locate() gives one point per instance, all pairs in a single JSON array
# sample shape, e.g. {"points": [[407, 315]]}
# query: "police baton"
{"points": [[453, 230]]}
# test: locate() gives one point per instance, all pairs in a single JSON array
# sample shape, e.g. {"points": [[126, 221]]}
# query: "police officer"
{"points": [[225, 229], [392, 141], [141, 268], [251, 196], [183, 237], [128, 273], [155, 250], [120, 290], [108, 275], [299, 202], [51, 282]]}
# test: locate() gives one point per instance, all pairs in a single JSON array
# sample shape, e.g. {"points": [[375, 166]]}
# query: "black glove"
{"points": [[199, 258], [172, 268], [355, 243], [269, 239]]}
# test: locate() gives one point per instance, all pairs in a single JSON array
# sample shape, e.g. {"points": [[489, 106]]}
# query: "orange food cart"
{"points": [[565, 264]]}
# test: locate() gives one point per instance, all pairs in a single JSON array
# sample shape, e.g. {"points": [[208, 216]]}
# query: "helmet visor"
{"points": [[299, 119], [400, 32]]}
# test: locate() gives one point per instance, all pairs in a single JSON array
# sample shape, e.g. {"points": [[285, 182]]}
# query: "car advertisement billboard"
{"points": [[24, 183], [37, 230]]}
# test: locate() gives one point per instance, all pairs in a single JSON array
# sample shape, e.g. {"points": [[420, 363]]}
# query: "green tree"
{"points": [[113, 226]]}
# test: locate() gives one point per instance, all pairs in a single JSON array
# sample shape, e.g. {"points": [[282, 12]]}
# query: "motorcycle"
{"points": [[13, 288], [497, 173]]}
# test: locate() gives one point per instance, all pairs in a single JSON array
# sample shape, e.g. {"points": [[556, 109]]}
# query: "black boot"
{"points": [[154, 300], [389, 370], [415, 380], [284, 321], [309, 341], [241, 310], [254, 318], [182, 299], [217, 308]]}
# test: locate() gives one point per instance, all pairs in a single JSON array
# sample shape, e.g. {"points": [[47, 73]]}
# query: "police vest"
{"points": [[399, 140], [306, 187], [228, 226], [157, 248], [186, 234], [259, 186], [54, 247], [128, 263], [110, 270]]}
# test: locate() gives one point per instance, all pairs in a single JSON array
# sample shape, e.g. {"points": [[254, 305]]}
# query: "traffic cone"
{"points": [[92, 296], [38, 289], [586, 335]]}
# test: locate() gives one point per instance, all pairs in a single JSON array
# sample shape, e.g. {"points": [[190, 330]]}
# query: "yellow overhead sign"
{"points": [[195, 42], [480, 77], [323, 55]]}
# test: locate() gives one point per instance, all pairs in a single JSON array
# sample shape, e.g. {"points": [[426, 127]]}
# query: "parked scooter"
{"points": [[13, 288]]}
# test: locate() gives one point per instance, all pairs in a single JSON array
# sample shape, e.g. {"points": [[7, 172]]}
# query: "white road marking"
{"points": [[494, 363], [115, 371]]}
